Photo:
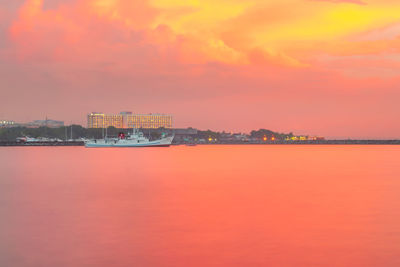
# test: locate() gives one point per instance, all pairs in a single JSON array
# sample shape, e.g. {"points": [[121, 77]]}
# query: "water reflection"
{"points": [[200, 206]]}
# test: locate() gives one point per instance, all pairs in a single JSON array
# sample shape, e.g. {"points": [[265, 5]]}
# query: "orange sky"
{"points": [[326, 67]]}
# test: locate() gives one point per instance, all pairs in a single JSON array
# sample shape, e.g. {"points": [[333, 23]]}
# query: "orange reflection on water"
{"points": [[201, 206]]}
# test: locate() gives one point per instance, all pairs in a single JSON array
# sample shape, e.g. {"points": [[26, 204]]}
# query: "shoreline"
{"points": [[322, 142]]}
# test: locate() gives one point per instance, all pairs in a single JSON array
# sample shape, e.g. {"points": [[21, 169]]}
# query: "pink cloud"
{"points": [[69, 59]]}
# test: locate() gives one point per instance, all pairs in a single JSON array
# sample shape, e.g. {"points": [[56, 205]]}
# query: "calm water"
{"points": [[200, 206]]}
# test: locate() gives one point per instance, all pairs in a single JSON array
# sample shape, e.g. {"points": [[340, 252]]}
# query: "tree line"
{"points": [[77, 131], [68, 132]]}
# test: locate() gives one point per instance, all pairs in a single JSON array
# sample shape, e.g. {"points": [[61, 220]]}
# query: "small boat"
{"points": [[135, 139], [27, 139]]}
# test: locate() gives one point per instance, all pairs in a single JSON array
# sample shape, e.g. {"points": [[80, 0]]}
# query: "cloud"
{"points": [[248, 32], [358, 2], [265, 60]]}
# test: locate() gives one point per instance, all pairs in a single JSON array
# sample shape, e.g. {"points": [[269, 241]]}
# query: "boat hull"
{"points": [[165, 142]]}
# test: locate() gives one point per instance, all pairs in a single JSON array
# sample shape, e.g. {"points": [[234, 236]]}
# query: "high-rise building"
{"points": [[116, 121], [149, 121], [129, 120], [95, 120]]}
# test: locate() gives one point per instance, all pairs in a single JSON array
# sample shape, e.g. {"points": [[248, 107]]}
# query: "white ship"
{"points": [[136, 139]]}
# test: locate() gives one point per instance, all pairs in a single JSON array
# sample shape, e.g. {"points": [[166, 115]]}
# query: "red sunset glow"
{"points": [[328, 68]]}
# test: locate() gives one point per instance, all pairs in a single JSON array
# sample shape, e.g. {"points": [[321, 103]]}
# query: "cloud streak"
{"points": [[358, 2]]}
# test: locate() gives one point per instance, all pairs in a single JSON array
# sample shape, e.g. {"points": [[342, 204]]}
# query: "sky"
{"points": [[319, 67]]}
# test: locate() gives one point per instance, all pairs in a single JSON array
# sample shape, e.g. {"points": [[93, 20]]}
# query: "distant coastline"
{"points": [[75, 135], [323, 142]]}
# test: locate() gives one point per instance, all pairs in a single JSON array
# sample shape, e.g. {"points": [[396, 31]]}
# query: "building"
{"points": [[33, 124], [101, 120], [116, 121], [149, 121], [129, 120], [42, 123], [7, 123], [184, 135], [95, 120], [45, 123]]}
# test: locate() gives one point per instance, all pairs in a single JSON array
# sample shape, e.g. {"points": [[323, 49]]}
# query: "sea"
{"points": [[206, 205]]}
